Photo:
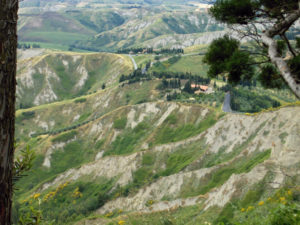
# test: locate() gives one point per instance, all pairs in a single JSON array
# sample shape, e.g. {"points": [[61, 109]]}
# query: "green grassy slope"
{"points": [[186, 64]]}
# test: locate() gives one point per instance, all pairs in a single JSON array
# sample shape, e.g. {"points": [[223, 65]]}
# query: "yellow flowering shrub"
{"points": [[149, 202], [76, 193], [121, 222], [52, 194], [282, 199], [261, 203], [250, 208], [35, 196], [110, 214]]}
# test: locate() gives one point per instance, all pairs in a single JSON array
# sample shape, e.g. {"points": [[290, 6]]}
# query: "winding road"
{"points": [[133, 62], [226, 105]]}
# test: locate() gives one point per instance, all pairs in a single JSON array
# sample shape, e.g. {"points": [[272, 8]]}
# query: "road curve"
{"points": [[226, 105], [133, 62]]}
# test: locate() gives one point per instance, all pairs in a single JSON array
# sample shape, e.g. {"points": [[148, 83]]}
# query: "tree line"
{"points": [[151, 50], [27, 46], [138, 75]]}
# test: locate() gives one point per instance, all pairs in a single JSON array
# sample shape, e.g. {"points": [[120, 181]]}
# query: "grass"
{"points": [[74, 201], [53, 46], [63, 38], [271, 213], [141, 60], [71, 156], [167, 133], [99, 66], [195, 49], [126, 142], [222, 174], [183, 157], [189, 215], [64, 137], [120, 124], [186, 64]]}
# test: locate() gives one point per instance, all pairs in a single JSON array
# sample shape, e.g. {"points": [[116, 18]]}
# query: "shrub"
{"points": [[65, 136], [80, 100], [120, 124]]}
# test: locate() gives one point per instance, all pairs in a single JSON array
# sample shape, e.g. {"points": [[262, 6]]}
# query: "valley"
{"points": [[110, 27], [128, 127], [138, 154]]}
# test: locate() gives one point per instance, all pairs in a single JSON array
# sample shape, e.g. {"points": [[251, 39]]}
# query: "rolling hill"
{"points": [[55, 76], [110, 27], [136, 161], [144, 149]]}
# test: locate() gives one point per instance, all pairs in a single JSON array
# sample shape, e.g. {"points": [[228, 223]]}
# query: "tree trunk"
{"points": [[268, 39], [8, 52]]}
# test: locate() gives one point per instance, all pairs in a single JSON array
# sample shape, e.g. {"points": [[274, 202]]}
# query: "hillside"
{"points": [[173, 30], [109, 27], [146, 136], [55, 76], [32, 3], [158, 156]]}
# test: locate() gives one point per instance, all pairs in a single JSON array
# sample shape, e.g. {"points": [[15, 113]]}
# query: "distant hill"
{"points": [[108, 27], [140, 31], [57, 76], [39, 3]]}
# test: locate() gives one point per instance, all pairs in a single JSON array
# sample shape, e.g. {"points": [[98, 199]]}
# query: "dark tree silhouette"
{"points": [[8, 52], [264, 22]]}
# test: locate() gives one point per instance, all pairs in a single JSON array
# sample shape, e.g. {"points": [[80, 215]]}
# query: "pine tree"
{"points": [[225, 55]]}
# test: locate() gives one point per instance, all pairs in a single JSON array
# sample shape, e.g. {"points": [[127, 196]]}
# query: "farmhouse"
{"points": [[202, 88]]}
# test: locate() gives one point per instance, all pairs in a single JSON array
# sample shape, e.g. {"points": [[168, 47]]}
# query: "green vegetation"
{"points": [[70, 69], [64, 137], [64, 38], [247, 101], [72, 155], [282, 137], [270, 211], [25, 116], [211, 160], [120, 124], [70, 202], [80, 100], [126, 142], [185, 64], [167, 133], [222, 174], [183, 157], [99, 144]]}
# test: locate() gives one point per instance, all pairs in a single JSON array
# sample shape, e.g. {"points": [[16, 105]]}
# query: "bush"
{"points": [[120, 124], [64, 137], [80, 100], [247, 101]]}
